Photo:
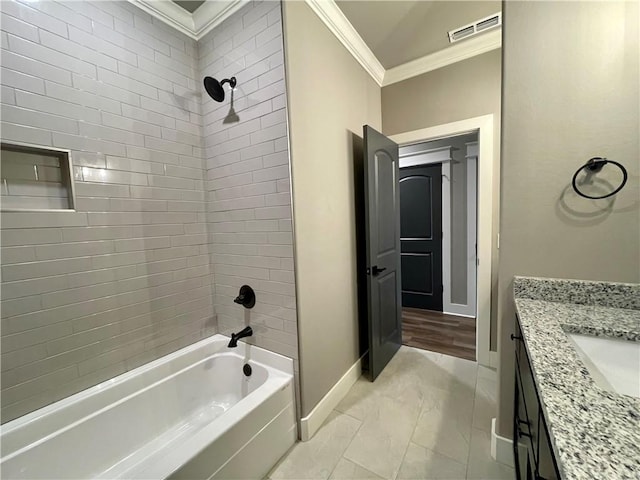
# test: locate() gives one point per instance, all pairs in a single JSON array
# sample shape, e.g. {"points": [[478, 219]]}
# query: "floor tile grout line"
{"points": [[415, 425], [473, 408], [347, 448]]}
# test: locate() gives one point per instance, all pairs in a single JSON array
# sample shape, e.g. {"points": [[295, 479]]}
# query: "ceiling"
{"points": [[398, 31], [189, 5]]}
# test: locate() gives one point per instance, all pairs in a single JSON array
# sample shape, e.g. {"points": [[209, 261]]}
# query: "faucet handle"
{"points": [[246, 297]]}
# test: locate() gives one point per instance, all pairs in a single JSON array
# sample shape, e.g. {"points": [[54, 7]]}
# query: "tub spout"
{"points": [[246, 332]]}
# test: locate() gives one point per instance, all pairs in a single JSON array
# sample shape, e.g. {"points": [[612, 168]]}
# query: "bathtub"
{"points": [[191, 414]]}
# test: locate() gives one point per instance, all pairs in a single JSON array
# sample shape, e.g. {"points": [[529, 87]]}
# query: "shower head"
{"points": [[214, 88]]}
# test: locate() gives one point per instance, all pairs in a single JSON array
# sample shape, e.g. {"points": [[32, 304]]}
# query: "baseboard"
{"points": [[493, 359], [501, 448], [459, 310], [310, 424]]}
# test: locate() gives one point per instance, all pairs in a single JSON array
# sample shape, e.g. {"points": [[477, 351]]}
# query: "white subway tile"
{"points": [[137, 34], [35, 68], [145, 77], [56, 107], [258, 11], [94, 42], [118, 11], [181, 137], [111, 134], [78, 56], [273, 213], [17, 255], [278, 102], [81, 97], [284, 185], [97, 190], [33, 17], [75, 142], [131, 165], [38, 119], [249, 32], [164, 145], [24, 271], [272, 173], [66, 13], [19, 28], [105, 90], [278, 199], [126, 83], [8, 96], [19, 133], [89, 10], [274, 16], [70, 250], [165, 109], [276, 159], [101, 175], [257, 150]]}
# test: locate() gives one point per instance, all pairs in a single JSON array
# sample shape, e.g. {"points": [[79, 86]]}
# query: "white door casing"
{"points": [[488, 173]]}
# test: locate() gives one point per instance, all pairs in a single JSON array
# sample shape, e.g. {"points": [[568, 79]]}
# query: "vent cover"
{"points": [[479, 26]]}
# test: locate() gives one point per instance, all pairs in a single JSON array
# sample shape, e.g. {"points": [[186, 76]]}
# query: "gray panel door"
{"points": [[421, 236], [382, 214]]}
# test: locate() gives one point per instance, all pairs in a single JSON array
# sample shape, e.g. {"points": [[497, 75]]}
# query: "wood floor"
{"points": [[439, 332]]}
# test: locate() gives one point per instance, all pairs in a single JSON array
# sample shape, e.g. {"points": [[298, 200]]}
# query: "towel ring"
{"points": [[594, 165]]}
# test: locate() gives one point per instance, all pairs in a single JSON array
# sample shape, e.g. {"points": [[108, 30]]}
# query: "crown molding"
{"points": [[212, 13], [337, 22], [195, 25], [477, 45]]}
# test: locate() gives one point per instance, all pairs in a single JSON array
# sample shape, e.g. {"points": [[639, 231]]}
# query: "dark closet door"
{"points": [[421, 236]]}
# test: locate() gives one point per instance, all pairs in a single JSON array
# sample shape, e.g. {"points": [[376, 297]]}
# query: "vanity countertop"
{"points": [[595, 433]]}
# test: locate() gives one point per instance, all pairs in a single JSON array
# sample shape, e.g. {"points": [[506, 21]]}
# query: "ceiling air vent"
{"points": [[479, 26]]}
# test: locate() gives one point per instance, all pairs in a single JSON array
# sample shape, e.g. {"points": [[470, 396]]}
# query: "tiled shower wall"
{"points": [[87, 295], [247, 176]]}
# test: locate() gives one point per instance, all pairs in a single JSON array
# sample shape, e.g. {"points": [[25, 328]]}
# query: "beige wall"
{"points": [[330, 97], [570, 93], [459, 91]]}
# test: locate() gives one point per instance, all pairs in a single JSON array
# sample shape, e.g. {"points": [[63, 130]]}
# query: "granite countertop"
{"points": [[595, 433]]}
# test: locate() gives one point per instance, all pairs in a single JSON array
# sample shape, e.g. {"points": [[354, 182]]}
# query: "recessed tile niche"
{"points": [[35, 178]]}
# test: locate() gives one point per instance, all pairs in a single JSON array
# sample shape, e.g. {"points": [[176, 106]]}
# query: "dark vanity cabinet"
{"points": [[536, 461]]}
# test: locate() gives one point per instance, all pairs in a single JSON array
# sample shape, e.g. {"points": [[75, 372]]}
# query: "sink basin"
{"points": [[613, 364]]}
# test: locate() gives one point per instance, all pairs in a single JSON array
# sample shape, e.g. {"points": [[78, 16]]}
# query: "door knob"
{"points": [[376, 271]]}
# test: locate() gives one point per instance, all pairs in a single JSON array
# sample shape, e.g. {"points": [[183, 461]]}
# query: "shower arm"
{"points": [[231, 81]]}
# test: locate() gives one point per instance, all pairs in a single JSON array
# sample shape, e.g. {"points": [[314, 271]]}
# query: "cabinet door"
{"points": [[531, 406], [547, 469]]}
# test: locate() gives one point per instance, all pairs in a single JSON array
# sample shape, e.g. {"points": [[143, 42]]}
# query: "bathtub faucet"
{"points": [[246, 332]]}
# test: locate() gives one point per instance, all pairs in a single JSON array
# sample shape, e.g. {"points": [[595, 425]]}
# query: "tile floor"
{"points": [[427, 416]]}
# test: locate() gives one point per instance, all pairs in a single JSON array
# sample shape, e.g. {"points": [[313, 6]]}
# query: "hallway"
{"points": [[427, 416], [439, 332]]}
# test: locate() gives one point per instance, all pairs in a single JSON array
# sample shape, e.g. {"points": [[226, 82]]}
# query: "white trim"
{"points": [[501, 447], [488, 170], [493, 360], [455, 53], [195, 25], [446, 235], [425, 157], [336, 21], [211, 13], [472, 233], [310, 424]]}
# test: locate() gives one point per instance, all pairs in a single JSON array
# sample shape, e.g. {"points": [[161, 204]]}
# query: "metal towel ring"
{"points": [[595, 164]]}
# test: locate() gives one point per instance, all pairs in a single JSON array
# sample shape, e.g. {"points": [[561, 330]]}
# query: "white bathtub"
{"points": [[191, 414]]}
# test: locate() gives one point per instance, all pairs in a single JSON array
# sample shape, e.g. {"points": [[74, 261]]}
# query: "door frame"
{"points": [[443, 156], [488, 170]]}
